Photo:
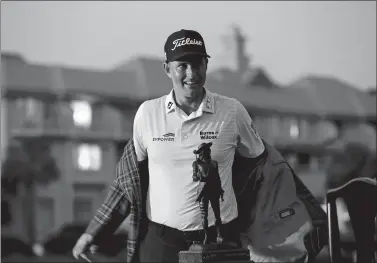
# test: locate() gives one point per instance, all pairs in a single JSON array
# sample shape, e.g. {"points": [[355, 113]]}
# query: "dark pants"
{"points": [[163, 243]]}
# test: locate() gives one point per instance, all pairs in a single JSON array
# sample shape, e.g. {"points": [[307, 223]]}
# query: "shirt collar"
{"points": [[207, 105], [169, 102]]}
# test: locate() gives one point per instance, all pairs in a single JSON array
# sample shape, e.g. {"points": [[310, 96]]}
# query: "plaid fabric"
{"points": [[128, 193], [125, 196]]}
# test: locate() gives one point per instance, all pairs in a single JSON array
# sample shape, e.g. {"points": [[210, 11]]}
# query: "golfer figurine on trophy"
{"points": [[206, 171]]}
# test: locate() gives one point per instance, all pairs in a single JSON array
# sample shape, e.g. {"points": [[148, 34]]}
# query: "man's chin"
{"points": [[192, 89]]}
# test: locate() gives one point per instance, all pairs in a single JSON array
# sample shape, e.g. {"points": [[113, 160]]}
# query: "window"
{"points": [[82, 209], [88, 157], [325, 130], [30, 109], [303, 161], [82, 113], [51, 115], [294, 130], [314, 164]]}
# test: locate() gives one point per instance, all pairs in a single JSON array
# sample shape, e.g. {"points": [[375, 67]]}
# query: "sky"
{"points": [[289, 39]]}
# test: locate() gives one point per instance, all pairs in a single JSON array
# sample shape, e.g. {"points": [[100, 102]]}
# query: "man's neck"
{"points": [[189, 104]]}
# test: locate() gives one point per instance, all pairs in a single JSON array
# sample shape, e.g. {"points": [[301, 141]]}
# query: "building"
{"points": [[87, 116], [79, 112]]}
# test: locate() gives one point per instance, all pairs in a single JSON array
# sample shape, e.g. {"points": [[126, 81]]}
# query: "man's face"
{"points": [[188, 74]]}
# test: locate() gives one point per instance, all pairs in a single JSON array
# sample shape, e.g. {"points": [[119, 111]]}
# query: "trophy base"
{"points": [[212, 246], [225, 252]]}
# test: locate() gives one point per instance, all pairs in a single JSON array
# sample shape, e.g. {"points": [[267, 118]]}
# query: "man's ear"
{"points": [[167, 68]]}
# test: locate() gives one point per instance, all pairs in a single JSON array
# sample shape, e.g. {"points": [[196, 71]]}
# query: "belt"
{"points": [[194, 235]]}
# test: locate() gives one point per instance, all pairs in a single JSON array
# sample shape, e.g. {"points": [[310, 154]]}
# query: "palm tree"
{"points": [[28, 163]]}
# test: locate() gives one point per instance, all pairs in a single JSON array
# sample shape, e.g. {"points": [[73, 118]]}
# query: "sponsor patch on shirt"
{"points": [[208, 135], [167, 137], [170, 104], [286, 213]]}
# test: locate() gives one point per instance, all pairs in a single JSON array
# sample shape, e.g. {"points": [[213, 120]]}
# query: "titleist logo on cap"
{"points": [[185, 41]]}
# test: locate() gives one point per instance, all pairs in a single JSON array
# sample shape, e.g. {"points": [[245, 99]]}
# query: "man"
{"points": [[206, 171], [352, 155], [154, 176], [168, 129]]}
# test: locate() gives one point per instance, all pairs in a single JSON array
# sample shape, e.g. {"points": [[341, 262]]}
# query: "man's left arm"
{"points": [[110, 214], [250, 154], [249, 142]]}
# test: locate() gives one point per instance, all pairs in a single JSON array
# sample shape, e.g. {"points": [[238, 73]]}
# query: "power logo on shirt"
{"points": [[167, 137]]}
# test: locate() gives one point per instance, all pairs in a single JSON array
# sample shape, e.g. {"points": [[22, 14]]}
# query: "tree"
{"points": [[28, 162]]}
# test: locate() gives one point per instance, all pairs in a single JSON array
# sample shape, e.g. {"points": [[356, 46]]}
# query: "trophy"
{"points": [[206, 173]]}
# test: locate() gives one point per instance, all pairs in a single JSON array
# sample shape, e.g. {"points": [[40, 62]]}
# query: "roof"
{"points": [[372, 90], [281, 100], [314, 95], [102, 83], [21, 77], [258, 76], [336, 97], [143, 78], [16, 74], [151, 78]]}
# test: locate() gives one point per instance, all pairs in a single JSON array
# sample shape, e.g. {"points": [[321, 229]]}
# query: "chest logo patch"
{"points": [[167, 137], [208, 135], [286, 213]]}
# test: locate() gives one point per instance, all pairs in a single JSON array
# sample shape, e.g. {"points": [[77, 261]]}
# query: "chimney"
{"points": [[236, 57]]}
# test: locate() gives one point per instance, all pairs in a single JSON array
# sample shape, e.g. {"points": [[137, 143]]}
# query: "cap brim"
{"points": [[183, 54]]}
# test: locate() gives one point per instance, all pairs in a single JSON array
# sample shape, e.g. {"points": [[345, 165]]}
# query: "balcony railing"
{"points": [[65, 129]]}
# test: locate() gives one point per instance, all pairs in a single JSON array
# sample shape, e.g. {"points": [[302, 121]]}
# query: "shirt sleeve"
{"points": [[138, 130], [110, 214], [249, 142]]}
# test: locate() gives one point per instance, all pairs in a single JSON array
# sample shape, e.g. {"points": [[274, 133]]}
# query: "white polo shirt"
{"points": [[165, 135]]}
